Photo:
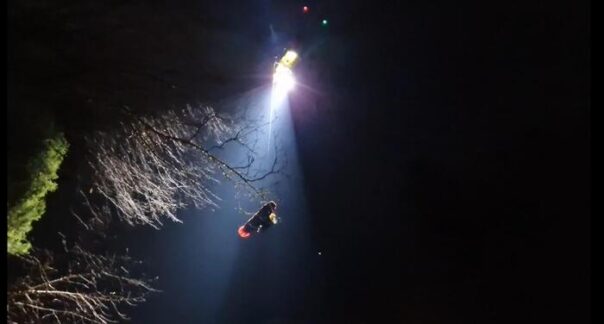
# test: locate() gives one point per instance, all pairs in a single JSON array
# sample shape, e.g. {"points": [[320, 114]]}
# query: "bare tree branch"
{"points": [[151, 166], [89, 289]]}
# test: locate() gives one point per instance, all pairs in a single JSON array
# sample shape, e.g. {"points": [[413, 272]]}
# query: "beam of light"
{"points": [[283, 83], [287, 246], [219, 256]]}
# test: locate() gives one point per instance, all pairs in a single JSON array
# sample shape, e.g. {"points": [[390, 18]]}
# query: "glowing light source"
{"points": [[243, 233], [324, 22], [283, 79], [305, 9], [289, 59], [283, 82]]}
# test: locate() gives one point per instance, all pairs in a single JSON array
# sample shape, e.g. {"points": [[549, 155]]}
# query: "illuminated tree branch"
{"points": [[88, 289], [151, 166]]}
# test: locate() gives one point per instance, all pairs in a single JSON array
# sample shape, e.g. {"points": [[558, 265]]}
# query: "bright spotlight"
{"points": [[283, 79], [289, 58]]}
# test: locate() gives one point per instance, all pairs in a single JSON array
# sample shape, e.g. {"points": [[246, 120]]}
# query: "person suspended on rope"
{"points": [[261, 221]]}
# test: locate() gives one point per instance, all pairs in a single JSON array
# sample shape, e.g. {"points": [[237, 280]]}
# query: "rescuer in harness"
{"points": [[262, 220]]}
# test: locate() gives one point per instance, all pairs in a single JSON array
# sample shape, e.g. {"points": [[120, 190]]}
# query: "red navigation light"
{"points": [[305, 9]]}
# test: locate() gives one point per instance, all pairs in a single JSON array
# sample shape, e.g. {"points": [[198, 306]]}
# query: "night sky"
{"points": [[442, 153]]}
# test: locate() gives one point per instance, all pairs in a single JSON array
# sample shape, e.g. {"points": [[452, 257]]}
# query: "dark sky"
{"points": [[453, 184], [444, 152]]}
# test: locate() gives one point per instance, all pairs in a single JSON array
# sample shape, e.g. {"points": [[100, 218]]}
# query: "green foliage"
{"points": [[42, 171]]}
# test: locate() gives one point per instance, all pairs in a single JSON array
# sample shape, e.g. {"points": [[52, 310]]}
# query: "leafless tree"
{"points": [[151, 166], [86, 288]]}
